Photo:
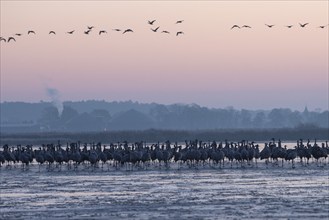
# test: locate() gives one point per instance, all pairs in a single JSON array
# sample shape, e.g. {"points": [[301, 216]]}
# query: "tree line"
{"points": [[119, 116]]}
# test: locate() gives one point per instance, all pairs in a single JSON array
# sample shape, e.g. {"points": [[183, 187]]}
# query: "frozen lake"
{"points": [[204, 193]]}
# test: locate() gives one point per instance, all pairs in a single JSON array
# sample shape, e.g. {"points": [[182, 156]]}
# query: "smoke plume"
{"points": [[55, 99]]}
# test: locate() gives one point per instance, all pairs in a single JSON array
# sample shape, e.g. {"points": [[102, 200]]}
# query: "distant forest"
{"points": [[95, 116]]}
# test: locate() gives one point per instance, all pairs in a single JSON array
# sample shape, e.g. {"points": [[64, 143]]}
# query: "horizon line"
{"points": [[315, 109]]}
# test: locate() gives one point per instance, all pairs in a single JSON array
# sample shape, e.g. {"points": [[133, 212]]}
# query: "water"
{"points": [[207, 193]]}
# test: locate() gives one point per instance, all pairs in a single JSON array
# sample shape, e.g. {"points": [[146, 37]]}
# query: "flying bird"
{"points": [[52, 32], [18, 35], [102, 32], [179, 32], [91, 27], [235, 26], [87, 32], [30, 32], [155, 30], [3, 39], [323, 26], [116, 29], [246, 26], [166, 32], [151, 22], [70, 32], [127, 30], [179, 22], [269, 25], [11, 38], [289, 26], [303, 25]]}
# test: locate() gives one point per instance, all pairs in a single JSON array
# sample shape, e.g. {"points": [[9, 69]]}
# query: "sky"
{"points": [[210, 64]]}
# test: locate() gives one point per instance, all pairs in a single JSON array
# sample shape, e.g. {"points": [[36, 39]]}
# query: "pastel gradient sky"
{"points": [[210, 65]]}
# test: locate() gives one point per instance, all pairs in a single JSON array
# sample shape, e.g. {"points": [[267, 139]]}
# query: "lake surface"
{"points": [[202, 193]]}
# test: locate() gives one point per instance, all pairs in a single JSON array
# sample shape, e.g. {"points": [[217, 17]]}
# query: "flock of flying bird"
{"points": [[100, 32], [139, 155], [272, 25]]}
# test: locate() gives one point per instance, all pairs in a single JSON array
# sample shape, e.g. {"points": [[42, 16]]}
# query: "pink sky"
{"points": [[211, 65]]}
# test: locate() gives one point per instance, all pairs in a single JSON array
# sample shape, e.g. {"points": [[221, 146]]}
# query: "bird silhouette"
{"points": [[87, 32], [155, 30], [179, 22], [117, 29], [246, 26], [11, 38], [235, 26], [102, 32], [30, 32], [303, 25], [289, 26], [90, 27], [52, 32], [151, 22], [127, 30], [323, 26], [269, 25], [3, 39], [166, 32], [179, 32], [18, 35], [70, 32]]}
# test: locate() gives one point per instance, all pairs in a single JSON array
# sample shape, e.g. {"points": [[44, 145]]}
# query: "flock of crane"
{"points": [[124, 31], [100, 32], [272, 25], [139, 155]]}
